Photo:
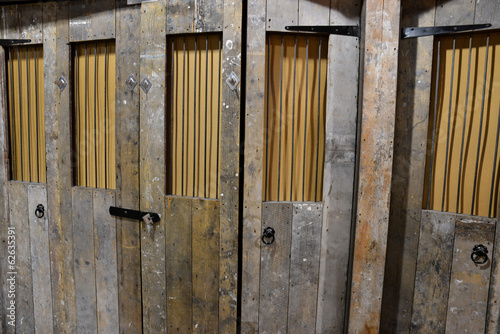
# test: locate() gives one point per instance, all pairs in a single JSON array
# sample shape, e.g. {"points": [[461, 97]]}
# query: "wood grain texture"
{"points": [[253, 167], [58, 151], [178, 221], [20, 220], [92, 20], [208, 15], [127, 165], [410, 148], [275, 268], [230, 168], [40, 263], [206, 237], [469, 282], [304, 267], [432, 278], [180, 18], [281, 13], [454, 12], [380, 52], [152, 165], [84, 259], [106, 270]]}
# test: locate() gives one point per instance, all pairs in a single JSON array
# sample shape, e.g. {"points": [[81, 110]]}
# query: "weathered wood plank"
{"points": [[281, 13], [11, 22], [179, 264], [103, 19], [40, 263], [380, 51], [314, 12], [339, 168], [435, 252], [275, 268], [469, 283], [79, 22], [230, 168], [84, 259], [152, 165], [493, 313], [304, 267], [180, 18], [414, 85], [127, 165], [253, 167], [106, 270], [59, 178], [31, 22], [20, 219], [205, 249], [208, 15], [454, 12], [485, 11]]}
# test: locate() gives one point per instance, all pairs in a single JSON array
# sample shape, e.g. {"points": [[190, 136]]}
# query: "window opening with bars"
{"points": [[294, 126], [94, 114], [193, 114], [26, 116], [464, 125]]}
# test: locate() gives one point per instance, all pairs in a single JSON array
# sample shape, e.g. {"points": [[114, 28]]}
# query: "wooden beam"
{"points": [[380, 51]]}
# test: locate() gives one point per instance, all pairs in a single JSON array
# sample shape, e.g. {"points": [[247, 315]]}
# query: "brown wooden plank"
{"points": [[253, 167], [281, 13], [84, 260], [380, 34], [454, 12], [106, 270], [152, 164], [40, 263], [21, 270], [339, 168], [59, 178], [180, 18], [435, 252], [205, 250], [275, 268], [314, 12], [79, 21], [469, 283], [208, 15], [127, 165], [304, 267], [179, 264]]}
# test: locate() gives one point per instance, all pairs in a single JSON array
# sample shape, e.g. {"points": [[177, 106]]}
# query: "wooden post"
{"points": [[380, 53]]}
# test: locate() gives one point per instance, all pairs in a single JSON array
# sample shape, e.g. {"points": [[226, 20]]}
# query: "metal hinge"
{"points": [[134, 214], [4, 42], [431, 31], [332, 30]]}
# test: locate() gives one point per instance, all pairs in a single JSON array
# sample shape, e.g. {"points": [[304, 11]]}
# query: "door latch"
{"points": [[147, 217]]}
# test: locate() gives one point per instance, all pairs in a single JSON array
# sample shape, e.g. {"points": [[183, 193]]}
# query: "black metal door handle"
{"points": [[268, 235], [479, 254], [40, 211]]}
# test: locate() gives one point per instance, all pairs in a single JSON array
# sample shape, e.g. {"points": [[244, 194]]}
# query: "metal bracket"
{"points": [[61, 83], [133, 214], [4, 42], [332, 30], [131, 82], [232, 80], [146, 85], [412, 32]]}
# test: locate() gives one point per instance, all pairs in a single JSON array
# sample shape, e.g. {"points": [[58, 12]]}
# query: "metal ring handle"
{"points": [[479, 254], [268, 235], [40, 211]]}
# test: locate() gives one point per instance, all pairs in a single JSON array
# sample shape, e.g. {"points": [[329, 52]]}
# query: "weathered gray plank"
{"points": [[493, 314], [208, 15], [84, 259], [92, 20], [253, 167], [485, 11], [21, 270], [180, 18], [314, 12], [40, 263], [11, 19], [304, 267], [205, 236], [31, 22], [79, 22], [435, 252], [275, 268], [454, 12], [281, 13], [179, 264], [106, 270], [469, 283], [127, 164], [152, 165]]}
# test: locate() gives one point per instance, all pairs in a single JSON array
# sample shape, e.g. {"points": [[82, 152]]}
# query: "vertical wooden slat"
{"points": [[229, 167], [304, 267], [435, 252], [40, 263], [314, 12], [208, 15], [205, 236], [469, 282], [106, 270], [275, 268], [454, 12], [127, 164], [281, 13], [152, 164], [84, 260], [493, 313], [179, 264], [20, 219], [180, 16]]}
